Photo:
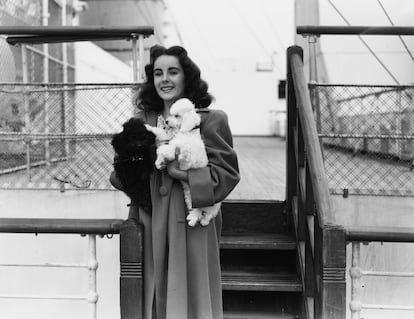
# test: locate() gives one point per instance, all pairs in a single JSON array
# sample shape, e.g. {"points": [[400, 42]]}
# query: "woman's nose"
{"points": [[165, 78]]}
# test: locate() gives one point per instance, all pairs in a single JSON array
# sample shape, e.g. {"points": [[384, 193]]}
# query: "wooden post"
{"points": [[332, 282], [291, 173], [131, 281]]}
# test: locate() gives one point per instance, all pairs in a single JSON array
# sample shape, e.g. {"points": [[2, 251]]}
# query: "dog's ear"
{"points": [[190, 121]]}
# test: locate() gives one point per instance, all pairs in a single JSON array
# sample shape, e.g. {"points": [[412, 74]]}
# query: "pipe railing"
{"points": [[131, 254], [357, 235], [354, 30]]}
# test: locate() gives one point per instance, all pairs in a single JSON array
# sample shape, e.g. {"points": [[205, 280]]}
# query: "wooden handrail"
{"points": [[60, 225], [317, 170], [321, 243], [354, 30]]}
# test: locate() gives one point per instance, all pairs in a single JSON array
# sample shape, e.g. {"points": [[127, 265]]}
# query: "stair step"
{"points": [[257, 315], [254, 217], [257, 241], [248, 280]]}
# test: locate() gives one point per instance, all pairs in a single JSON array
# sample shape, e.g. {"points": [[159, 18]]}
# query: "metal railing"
{"points": [[57, 136], [367, 131], [365, 235], [131, 254], [311, 131]]}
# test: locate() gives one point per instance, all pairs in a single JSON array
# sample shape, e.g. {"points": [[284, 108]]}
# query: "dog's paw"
{"points": [[192, 220], [204, 221], [160, 163]]}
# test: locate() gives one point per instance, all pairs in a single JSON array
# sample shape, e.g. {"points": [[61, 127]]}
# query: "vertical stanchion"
{"points": [[26, 110], [65, 80], [134, 58], [313, 79], [291, 170], [45, 22], [356, 274], [92, 267], [141, 58]]}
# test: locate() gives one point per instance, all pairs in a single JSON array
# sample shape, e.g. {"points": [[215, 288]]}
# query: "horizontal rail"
{"points": [[387, 307], [387, 89], [53, 297], [60, 225], [354, 30], [17, 136], [41, 34], [387, 273], [46, 265], [76, 30], [370, 136], [380, 234]]}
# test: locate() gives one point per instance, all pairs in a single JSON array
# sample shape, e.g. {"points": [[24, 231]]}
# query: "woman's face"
{"points": [[168, 78]]}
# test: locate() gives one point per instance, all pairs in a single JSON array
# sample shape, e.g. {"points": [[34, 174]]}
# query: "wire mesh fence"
{"points": [[58, 135], [367, 133]]}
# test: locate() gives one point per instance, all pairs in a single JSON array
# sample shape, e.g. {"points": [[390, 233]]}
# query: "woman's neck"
{"points": [[166, 110]]}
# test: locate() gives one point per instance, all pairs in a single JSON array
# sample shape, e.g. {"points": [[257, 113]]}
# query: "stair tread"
{"points": [[256, 315], [257, 241], [249, 280]]}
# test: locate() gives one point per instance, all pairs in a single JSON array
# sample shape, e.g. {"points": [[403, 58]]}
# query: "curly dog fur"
{"points": [[134, 161], [188, 147]]}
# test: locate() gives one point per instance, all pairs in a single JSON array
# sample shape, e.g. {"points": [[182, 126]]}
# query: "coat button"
{"points": [[163, 191]]}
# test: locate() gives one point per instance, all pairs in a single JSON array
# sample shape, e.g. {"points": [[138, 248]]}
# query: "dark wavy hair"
{"points": [[195, 89]]}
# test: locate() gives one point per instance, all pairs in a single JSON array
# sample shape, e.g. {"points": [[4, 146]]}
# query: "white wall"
{"points": [[94, 65]]}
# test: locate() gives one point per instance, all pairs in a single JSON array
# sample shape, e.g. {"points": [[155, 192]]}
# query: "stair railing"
{"points": [[321, 243], [131, 257]]}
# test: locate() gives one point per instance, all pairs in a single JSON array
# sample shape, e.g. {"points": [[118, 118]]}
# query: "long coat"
{"points": [[182, 277]]}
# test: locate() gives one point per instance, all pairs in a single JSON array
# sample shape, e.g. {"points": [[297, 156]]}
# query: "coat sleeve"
{"points": [[212, 184]]}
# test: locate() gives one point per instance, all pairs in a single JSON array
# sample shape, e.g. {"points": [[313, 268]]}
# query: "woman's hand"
{"points": [[175, 172]]}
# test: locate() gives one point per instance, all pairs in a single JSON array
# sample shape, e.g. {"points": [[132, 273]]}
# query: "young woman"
{"points": [[182, 278]]}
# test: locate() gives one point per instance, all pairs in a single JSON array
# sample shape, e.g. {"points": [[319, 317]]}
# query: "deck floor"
{"points": [[262, 164]]}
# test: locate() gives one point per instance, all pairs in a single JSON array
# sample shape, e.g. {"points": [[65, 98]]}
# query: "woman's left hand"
{"points": [[175, 172]]}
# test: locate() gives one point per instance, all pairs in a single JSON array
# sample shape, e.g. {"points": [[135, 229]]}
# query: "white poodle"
{"points": [[188, 147]]}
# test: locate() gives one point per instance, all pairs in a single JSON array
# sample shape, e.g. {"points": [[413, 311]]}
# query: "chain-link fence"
{"points": [[367, 134], [58, 135]]}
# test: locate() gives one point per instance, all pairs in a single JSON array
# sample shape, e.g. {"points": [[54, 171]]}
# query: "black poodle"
{"points": [[135, 154]]}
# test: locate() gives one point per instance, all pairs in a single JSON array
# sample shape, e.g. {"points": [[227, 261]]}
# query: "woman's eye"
{"points": [[157, 73]]}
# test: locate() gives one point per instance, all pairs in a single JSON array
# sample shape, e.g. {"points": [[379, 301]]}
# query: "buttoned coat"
{"points": [[182, 277]]}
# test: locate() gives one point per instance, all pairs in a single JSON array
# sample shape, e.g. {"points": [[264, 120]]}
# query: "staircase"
{"points": [[259, 262]]}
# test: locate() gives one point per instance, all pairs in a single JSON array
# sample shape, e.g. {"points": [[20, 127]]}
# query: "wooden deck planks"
{"points": [[262, 163]]}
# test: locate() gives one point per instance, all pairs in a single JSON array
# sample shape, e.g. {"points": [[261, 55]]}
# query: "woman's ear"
{"points": [[190, 121]]}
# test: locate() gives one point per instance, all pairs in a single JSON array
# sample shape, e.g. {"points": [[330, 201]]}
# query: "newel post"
{"points": [[331, 299], [131, 280]]}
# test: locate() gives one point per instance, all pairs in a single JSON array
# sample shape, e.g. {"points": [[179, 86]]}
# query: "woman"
{"points": [[182, 278]]}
